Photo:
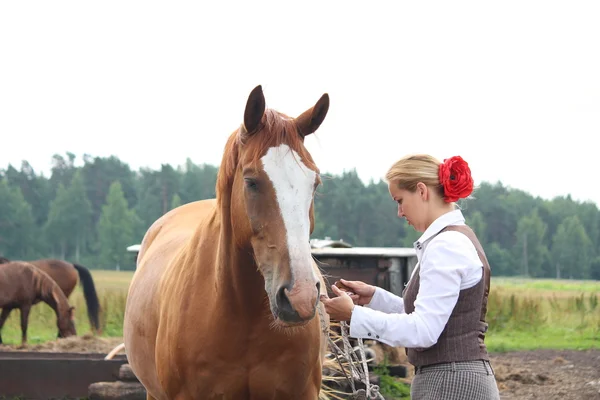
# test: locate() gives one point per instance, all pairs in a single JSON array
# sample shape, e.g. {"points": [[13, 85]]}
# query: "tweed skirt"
{"points": [[472, 380]]}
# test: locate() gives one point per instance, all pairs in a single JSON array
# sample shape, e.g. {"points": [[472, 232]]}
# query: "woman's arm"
{"points": [[386, 302], [449, 264]]}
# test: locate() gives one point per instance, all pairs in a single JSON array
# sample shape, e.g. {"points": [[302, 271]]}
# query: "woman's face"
{"points": [[411, 205]]}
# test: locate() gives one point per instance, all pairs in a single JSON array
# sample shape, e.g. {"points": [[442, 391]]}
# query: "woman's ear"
{"points": [[423, 191]]}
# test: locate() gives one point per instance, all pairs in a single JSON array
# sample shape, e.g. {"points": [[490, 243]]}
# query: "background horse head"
{"points": [[267, 183]]}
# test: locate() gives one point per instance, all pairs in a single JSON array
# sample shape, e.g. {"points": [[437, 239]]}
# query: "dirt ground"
{"points": [[548, 374], [539, 374]]}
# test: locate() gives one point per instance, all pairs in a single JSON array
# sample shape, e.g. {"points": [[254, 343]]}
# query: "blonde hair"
{"points": [[412, 169]]}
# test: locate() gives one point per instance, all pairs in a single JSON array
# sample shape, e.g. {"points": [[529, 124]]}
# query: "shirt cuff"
{"points": [[363, 325], [375, 300]]}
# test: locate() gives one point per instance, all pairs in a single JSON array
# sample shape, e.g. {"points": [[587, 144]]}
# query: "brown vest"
{"points": [[463, 337]]}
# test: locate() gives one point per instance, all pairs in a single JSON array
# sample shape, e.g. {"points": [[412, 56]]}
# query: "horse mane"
{"points": [[49, 290], [276, 128], [4, 260]]}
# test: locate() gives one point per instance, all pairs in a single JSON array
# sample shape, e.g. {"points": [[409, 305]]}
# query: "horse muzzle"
{"points": [[296, 304]]}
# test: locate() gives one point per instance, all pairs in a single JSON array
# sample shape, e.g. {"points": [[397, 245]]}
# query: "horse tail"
{"points": [[91, 297]]}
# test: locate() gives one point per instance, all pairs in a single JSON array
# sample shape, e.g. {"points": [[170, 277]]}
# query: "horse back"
{"points": [[17, 284], [62, 272], [168, 234]]}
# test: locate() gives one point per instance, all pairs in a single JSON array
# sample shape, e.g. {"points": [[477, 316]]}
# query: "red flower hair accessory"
{"points": [[455, 177]]}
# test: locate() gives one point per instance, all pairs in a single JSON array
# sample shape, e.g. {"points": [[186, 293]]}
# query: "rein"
{"points": [[358, 368]]}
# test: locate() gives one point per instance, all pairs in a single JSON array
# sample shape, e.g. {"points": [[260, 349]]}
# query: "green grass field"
{"points": [[524, 314], [527, 314]]}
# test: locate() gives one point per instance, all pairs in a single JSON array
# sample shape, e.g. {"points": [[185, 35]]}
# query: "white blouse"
{"points": [[448, 264]]}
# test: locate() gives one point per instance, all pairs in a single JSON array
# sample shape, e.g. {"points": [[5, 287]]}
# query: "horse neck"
{"points": [[52, 294], [237, 272]]}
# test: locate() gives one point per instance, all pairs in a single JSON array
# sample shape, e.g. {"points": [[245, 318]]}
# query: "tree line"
{"points": [[89, 214]]}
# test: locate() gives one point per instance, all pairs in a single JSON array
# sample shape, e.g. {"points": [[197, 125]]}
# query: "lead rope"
{"points": [[370, 391]]}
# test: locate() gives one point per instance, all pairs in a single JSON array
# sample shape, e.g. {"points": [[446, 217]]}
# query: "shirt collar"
{"points": [[454, 217]]}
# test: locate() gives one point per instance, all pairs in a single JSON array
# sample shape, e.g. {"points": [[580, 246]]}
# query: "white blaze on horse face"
{"points": [[293, 183]]}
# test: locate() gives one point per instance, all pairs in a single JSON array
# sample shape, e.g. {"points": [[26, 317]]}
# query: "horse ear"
{"points": [[310, 120], [255, 108]]}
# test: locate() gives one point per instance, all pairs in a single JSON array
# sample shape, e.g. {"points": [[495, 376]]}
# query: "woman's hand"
{"points": [[339, 308], [361, 293]]}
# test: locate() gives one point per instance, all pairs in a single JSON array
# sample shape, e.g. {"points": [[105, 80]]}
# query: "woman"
{"points": [[440, 319]]}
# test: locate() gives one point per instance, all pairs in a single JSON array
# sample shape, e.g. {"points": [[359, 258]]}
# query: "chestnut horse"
{"points": [[223, 303], [23, 285], [66, 275]]}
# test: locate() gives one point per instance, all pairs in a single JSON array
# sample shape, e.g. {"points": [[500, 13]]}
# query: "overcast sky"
{"points": [[512, 86]]}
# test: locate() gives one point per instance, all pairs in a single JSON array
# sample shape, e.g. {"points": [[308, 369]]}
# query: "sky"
{"points": [[513, 87]]}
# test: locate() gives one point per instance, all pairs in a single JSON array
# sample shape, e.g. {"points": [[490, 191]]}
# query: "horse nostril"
{"points": [[283, 303], [286, 310], [318, 289]]}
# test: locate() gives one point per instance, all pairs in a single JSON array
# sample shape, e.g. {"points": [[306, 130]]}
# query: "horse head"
{"points": [[66, 324], [267, 183]]}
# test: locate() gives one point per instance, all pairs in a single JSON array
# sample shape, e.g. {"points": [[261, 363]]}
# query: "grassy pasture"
{"points": [[527, 314], [524, 314]]}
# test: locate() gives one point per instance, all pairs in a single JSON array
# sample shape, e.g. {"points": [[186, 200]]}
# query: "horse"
{"points": [[66, 274], [223, 303], [21, 286]]}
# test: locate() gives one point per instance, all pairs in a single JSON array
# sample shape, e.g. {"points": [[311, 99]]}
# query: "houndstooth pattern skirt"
{"points": [[472, 380]]}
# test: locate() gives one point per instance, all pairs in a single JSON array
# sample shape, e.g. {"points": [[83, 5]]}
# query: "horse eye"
{"points": [[251, 183]]}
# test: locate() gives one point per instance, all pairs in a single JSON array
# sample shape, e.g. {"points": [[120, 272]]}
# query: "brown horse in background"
{"points": [[223, 303], [21, 286], [66, 275]]}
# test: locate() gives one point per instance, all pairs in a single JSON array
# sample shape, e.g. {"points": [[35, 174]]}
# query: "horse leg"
{"points": [[24, 320], [3, 317]]}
